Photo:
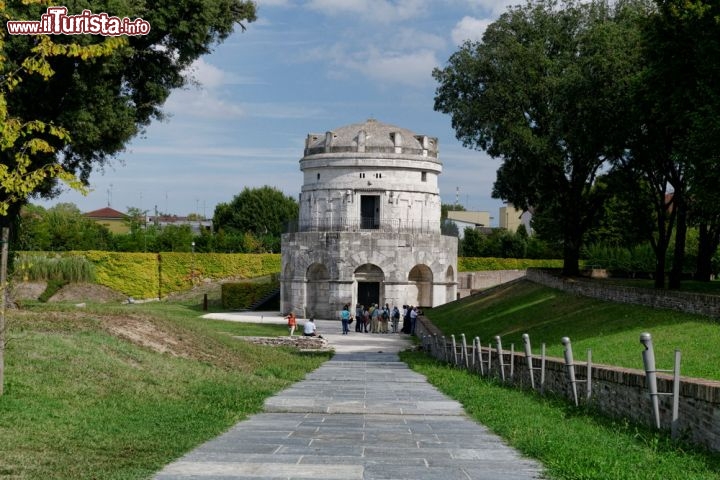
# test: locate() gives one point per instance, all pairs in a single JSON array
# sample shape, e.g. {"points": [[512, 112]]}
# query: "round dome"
{"points": [[371, 136]]}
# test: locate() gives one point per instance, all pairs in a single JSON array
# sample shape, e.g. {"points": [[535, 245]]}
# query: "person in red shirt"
{"points": [[292, 323]]}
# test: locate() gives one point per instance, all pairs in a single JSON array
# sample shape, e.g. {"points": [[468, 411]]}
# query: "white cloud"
{"points": [[470, 28], [493, 7], [208, 76], [389, 67], [201, 104], [412, 69], [383, 11]]}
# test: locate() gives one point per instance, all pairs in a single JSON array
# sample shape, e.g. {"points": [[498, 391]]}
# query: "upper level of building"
{"points": [[370, 175]]}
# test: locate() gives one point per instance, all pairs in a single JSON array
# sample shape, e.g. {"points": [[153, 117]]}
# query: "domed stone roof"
{"points": [[371, 136]]}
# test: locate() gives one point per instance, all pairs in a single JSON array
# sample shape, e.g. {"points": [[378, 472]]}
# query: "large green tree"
{"points": [[261, 212], [546, 91], [101, 104]]}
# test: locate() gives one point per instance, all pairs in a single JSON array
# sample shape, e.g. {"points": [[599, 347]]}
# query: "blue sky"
{"points": [[305, 66]]}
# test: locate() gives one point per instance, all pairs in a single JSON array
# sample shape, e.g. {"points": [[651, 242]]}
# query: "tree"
{"points": [[448, 227], [25, 138], [60, 228], [96, 107], [546, 90], [262, 212]]}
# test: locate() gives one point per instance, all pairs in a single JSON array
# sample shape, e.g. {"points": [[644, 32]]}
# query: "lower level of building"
{"points": [[323, 271]]}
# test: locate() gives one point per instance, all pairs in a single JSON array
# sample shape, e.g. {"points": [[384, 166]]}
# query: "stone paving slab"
{"points": [[363, 415]]}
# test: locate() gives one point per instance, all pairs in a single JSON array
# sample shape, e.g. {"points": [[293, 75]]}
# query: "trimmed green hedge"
{"points": [[149, 275], [474, 264], [235, 296]]}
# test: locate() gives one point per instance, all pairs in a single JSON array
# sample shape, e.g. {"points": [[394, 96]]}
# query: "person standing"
{"points": [[359, 321], [406, 319], [345, 319], [375, 319], [395, 319], [292, 323], [385, 319], [413, 320]]}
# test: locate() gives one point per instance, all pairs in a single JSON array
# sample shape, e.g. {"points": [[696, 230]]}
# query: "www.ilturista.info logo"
{"points": [[56, 21]]}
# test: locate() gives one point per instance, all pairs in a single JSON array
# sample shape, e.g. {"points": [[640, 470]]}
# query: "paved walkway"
{"points": [[362, 415]]}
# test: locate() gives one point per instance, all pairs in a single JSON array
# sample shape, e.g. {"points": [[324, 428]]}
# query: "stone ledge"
{"points": [[298, 341]]}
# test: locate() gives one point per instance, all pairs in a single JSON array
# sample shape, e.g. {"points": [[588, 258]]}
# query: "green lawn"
{"points": [[611, 330], [571, 443], [84, 399]]}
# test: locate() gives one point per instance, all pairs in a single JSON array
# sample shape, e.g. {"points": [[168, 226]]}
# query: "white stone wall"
{"points": [[342, 253]]}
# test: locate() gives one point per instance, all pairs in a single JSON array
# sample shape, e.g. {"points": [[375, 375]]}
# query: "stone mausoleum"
{"points": [[369, 224]]}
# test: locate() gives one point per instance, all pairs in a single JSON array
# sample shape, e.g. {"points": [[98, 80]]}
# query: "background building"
{"points": [[369, 224]]}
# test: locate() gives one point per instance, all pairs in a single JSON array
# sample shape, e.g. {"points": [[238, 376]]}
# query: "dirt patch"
{"points": [[27, 290], [143, 332], [87, 292]]}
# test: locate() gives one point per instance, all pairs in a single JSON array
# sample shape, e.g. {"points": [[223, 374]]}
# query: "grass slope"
{"points": [[90, 395], [611, 330]]}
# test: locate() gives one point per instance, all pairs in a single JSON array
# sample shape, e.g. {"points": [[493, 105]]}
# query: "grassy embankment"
{"points": [[84, 399], [576, 443], [611, 330]]}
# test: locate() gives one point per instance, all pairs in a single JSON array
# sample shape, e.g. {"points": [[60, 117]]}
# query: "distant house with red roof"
{"points": [[115, 221]]}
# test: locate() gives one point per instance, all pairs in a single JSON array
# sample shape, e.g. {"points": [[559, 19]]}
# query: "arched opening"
{"points": [[369, 280], [318, 289], [420, 280]]}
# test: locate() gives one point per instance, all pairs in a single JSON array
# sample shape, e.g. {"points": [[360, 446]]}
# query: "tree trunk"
{"points": [[571, 248], [680, 236], [3, 292], [709, 239]]}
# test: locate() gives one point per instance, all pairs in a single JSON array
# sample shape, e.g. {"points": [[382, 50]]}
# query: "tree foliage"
{"points": [[95, 107], [61, 228], [546, 90], [257, 214], [25, 138]]}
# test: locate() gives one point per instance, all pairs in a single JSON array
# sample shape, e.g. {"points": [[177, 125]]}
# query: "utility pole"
{"points": [[3, 292]]}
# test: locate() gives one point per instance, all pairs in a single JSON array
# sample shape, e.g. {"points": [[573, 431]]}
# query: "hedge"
{"points": [[149, 275], [236, 296], [475, 264]]}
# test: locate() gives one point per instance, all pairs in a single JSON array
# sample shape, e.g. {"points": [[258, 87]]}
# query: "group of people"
{"points": [[372, 319], [380, 319]]}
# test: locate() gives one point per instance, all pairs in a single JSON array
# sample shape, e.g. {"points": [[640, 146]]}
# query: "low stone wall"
{"points": [[471, 282], [708, 305], [617, 392], [298, 341]]}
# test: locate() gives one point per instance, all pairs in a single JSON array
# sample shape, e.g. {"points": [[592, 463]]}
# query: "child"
{"points": [[292, 323]]}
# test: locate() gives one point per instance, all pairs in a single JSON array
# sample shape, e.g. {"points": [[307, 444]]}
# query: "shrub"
{"points": [[67, 268], [236, 296]]}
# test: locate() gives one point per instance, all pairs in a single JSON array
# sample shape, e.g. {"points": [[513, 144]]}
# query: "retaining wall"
{"points": [[617, 392], [708, 305]]}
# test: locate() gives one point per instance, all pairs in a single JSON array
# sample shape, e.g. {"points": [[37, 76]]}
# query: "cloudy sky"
{"points": [[305, 66]]}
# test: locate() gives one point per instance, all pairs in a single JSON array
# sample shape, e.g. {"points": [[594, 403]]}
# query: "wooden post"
{"points": [[3, 293]]}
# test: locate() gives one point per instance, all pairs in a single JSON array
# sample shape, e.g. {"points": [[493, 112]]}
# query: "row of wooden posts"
{"points": [[479, 359]]}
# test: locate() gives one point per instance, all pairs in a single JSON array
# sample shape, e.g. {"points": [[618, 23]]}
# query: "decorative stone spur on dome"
{"points": [[371, 137]]}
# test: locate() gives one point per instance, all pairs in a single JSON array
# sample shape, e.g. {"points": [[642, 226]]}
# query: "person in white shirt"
{"points": [[310, 329]]}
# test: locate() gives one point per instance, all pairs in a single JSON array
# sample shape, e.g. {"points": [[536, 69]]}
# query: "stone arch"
{"points": [[369, 279], [420, 286], [450, 284], [317, 279]]}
